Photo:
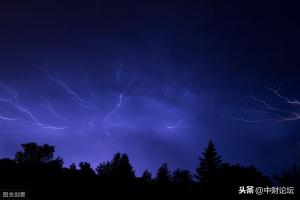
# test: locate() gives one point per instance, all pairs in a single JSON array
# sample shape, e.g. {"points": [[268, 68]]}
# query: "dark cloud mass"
{"points": [[155, 79]]}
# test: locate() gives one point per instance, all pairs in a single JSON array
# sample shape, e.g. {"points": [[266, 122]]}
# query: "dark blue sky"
{"points": [[154, 79]]}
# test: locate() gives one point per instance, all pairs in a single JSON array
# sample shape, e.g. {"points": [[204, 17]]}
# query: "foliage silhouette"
{"points": [[147, 176], [290, 177], [182, 179], [163, 176], [37, 170], [209, 164], [119, 170]]}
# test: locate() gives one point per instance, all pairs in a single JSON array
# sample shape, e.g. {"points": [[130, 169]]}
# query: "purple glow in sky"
{"points": [[156, 80]]}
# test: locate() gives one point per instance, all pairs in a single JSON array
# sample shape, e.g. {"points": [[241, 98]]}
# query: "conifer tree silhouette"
{"points": [[209, 164]]}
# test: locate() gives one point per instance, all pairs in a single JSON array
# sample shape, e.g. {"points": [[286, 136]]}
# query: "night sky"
{"points": [[154, 79]]}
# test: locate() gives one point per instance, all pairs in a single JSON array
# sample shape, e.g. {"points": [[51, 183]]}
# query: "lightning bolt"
{"points": [[116, 108], [16, 104], [21, 131], [255, 111], [26, 116], [90, 91], [177, 125], [287, 100], [92, 104], [253, 121], [268, 106], [77, 99], [49, 106], [8, 119], [282, 115]]}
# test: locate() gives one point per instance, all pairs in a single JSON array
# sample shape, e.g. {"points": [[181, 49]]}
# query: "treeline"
{"points": [[43, 176]]}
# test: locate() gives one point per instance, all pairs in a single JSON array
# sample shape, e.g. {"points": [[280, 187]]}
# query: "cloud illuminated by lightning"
{"points": [[175, 126]]}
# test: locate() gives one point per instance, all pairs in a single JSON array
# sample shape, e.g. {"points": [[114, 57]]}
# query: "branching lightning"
{"points": [[77, 99], [287, 100], [116, 108], [26, 117], [279, 114], [93, 102], [49, 106], [18, 106]]}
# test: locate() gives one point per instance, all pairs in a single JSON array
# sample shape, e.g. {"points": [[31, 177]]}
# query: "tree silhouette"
{"points": [[230, 177], [119, 169], [32, 153], [182, 179], [8, 173], [125, 170], [289, 177], [86, 169], [73, 167], [36, 169], [209, 164], [163, 176], [147, 176], [145, 182]]}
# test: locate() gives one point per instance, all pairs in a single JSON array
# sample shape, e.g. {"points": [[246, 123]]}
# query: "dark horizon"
{"points": [[35, 173], [153, 79]]}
